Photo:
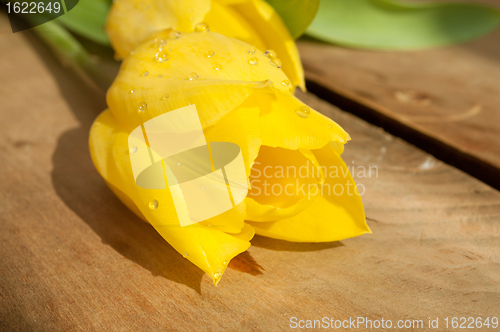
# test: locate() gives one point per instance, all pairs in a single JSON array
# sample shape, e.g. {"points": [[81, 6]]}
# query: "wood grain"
{"points": [[73, 258], [444, 100]]}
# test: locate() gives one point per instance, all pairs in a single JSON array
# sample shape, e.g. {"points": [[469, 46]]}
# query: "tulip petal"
{"points": [[190, 75], [329, 217], [290, 124], [130, 22], [264, 213], [275, 35], [241, 127], [284, 182], [229, 22], [208, 247]]}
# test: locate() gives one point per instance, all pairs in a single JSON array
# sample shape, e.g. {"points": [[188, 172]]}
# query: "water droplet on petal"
{"points": [[286, 83], [143, 106], [133, 150], [201, 27], [161, 56], [132, 91], [217, 67], [160, 76], [160, 42], [174, 34], [153, 205], [193, 76], [202, 187], [252, 51], [253, 61], [165, 96], [225, 262], [303, 111], [185, 254], [276, 62], [146, 73], [271, 54], [210, 54]]}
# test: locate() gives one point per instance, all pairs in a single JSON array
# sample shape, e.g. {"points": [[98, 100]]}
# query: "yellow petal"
{"points": [[216, 84], [330, 217], [210, 250], [209, 247], [227, 21], [281, 183], [275, 35], [288, 123], [241, 127], [230, 2], [130, 22]]}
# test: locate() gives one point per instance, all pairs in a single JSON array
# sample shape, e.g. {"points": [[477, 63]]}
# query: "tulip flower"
{"points": [[241, 97], [130, 22]]}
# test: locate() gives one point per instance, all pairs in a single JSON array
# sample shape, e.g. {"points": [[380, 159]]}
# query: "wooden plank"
{"points": [[72, 257], [444, 100]]}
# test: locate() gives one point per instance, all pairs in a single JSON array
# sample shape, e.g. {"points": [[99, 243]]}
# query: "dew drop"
{"points": [[161, 56], [185, 255], [165, 96], [143, 106], [253, 61], [225, 262], [217, 67], [133, 150], [210, 54], [201, 27], [160, 76], [193, 76], [252, 51], [178, 164], [174, 34], [202, 187], [217, 276], [276, 62], [286, 83], [160, 42], [146, 73], [132, 91], [271, 54], [303, 112], [153, 205]]}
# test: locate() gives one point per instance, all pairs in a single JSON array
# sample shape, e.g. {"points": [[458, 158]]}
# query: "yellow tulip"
{"points": [[243, 98], [130, 22]]}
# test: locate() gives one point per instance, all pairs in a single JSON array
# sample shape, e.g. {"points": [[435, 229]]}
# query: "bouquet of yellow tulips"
{"points": [[212, 54]]}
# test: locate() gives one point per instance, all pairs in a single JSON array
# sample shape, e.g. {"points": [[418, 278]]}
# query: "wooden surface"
{"points": [[73, 258], [445, 100]]}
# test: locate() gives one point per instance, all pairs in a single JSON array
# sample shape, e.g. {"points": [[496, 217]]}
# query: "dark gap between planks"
{"points": [[467, 163]]}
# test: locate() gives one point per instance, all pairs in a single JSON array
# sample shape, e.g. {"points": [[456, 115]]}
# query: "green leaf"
{"points": [[87, 19], [70, 51], [296, 14], [397, 25]]}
